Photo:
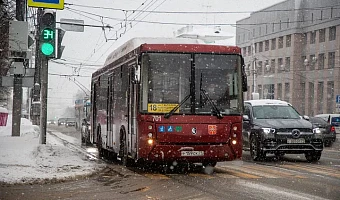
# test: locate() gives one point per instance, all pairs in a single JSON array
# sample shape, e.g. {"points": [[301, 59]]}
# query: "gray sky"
{"points": [[91, 47]]}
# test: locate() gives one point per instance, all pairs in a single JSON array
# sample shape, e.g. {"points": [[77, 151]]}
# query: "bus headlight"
{"points": [[234, 142], [150, 141]]}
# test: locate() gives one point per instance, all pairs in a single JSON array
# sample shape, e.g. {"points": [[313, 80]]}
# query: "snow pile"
{"points": [[24, 160]]}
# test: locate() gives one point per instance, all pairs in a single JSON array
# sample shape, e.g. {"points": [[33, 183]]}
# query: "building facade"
{"points": [[291, 52]]}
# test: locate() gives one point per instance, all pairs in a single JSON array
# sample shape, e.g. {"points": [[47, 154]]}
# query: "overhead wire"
{"points": [[201, 12]]}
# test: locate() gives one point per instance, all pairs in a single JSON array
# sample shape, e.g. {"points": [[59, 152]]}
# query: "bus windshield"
{"points": [[168, 79]]}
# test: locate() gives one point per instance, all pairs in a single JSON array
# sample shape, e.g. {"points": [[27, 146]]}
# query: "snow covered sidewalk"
{"points": [[24, 160]]}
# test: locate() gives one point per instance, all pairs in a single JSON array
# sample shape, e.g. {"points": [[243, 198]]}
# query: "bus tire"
{"points": [[126, 161]]}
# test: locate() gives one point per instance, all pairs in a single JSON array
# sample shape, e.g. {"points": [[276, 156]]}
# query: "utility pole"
{"points": [[35, 109], [17, 84]]}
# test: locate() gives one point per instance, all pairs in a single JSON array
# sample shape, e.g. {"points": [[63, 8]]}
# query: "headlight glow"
{"points": [[150, 141]]}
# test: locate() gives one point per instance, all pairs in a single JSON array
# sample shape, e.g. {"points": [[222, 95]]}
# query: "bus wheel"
{"points": [[99, 142], [123, 152]]}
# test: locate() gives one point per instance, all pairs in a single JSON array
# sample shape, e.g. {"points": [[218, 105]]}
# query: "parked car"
{"points": [[328, 131], [70, 122], [275, 127], [333, 119], [85, 131]]}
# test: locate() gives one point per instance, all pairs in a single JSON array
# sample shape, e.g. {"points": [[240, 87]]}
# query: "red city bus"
{"points": [[169, 100]]}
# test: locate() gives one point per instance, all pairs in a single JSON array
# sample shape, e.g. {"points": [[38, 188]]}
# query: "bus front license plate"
{"points": [[296, 141], [192, 153]]}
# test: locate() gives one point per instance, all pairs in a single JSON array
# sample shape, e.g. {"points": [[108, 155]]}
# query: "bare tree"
{"points": [[7, 13]]}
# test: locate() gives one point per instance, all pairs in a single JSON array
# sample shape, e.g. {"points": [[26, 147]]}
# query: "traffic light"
{"points": [[48, 33]]}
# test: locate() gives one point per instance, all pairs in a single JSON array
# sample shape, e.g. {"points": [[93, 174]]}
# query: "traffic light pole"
{"points": [[43, 99], [17, 85]]}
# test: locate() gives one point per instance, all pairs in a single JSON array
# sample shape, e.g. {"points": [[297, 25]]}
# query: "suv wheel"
{"points": [[255, 149], [313, 156]]}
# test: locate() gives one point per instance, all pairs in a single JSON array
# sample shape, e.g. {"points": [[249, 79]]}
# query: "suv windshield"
{"points": [[275, 112]]}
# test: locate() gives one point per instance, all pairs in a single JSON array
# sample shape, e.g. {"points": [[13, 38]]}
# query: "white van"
{"points": [[333, 119]]}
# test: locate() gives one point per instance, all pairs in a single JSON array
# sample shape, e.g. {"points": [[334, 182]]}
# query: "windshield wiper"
{"points": [[206, 96], [167, 115]]}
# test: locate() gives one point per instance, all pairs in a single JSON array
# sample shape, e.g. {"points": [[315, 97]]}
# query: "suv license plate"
{"points": [[192, 153], [296, 141]]}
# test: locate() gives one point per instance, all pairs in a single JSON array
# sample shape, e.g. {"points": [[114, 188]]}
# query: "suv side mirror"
{"points": [[246, 118], [305, 117]]}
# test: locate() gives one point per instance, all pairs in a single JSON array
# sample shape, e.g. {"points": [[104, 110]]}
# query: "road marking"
{"points": [[278, 173], [157, 176], [270, 191], [237, 172], [206, 176], [315, 170]]}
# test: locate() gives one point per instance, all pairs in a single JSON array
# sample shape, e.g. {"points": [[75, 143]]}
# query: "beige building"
{"points": [[291, 52]]}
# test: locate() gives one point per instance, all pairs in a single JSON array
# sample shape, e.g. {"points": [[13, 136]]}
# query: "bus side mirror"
{"points": [[136, 77]]}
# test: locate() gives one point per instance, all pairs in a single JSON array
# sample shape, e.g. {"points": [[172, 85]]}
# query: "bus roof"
{"points": [[137, 42]]}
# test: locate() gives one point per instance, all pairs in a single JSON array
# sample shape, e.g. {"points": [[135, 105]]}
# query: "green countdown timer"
{"points": [[47, 37]]}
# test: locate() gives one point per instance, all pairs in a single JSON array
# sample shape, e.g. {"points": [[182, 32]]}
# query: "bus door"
{"points": [[110, 113], [132, 111]]}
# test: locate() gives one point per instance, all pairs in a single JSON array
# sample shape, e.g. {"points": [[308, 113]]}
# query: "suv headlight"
{"points": [[268, 132], [317, 132]]}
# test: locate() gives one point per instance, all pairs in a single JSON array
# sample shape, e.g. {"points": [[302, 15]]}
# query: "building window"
{"points": [[280, 65], [312, 37], [266, 45], [303, 64], [255, 46], [321, 61], [260, 31], [311, 99], [330, 96], [304, 38], [331, 59], [266, 67], [279, 91], [287, 92], [288, 21], [312, 62], [280, 25], [302, 97], [322, 35], [288, 40], [249, 50], [272, 66], [332, 33], [273, 27], [259, 68], [260, 46], [273, 44], [266, 28], [259, 90], [320, 97], [244, 51], [280, 42], [287, 64], [268, 91]]}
